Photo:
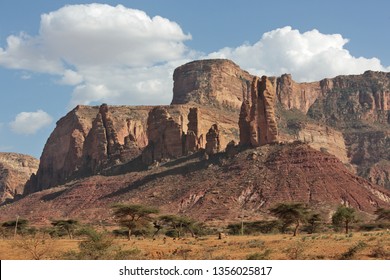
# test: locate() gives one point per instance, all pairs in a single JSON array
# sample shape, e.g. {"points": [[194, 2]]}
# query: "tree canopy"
{"points": [[133, 216], [178, 224], [67, 225], [344, 215], [291, 213]]}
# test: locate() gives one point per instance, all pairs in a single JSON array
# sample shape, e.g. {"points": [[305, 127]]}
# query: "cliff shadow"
{"points": [[179, 170]]}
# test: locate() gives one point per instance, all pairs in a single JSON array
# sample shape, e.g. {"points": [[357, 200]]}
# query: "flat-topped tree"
{"points": [[68, 225], [291, 213], [133, 216], [344, 215]]}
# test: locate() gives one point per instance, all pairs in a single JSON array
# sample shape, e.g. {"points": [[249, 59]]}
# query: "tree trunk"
{"points": [[296, 229], [129, 234], [70, 235], [346, 227]]}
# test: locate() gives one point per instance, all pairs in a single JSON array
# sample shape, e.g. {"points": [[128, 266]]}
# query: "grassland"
{"points": [[359, 245]]}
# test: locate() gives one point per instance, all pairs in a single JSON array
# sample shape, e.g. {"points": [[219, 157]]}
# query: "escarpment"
{"points": [[216, 102]]}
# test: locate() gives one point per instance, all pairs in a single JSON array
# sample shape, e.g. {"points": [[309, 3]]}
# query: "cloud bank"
{"points": [[307, 56], [28, 123], [110, 54], [119, 55]]}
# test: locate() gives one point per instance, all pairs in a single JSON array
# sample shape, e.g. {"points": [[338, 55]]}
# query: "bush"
{"points": [[379, 252], [257, 227], [37, 246], [99, 246], [352, 251], [296, 251], [265, 255], [374, 226]]}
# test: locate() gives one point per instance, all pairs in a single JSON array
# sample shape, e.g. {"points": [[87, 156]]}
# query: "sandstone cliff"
{"points": [[15, 170], [87, 140], [213, 82], [346, 116], [257, 121]]}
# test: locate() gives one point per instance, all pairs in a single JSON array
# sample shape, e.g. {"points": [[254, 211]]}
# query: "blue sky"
{"points": [[56, 54]]}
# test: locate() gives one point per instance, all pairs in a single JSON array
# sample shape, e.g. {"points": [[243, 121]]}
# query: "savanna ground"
{"points": [[357, 245]]}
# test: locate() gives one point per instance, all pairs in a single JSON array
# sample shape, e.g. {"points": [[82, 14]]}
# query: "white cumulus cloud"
{"points": [[110, 54], [119, 55], [30, 122], [309, 56]]}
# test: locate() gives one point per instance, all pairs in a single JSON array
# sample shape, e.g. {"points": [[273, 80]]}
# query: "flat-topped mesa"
{"points": [[211, 82], [257, 120]]}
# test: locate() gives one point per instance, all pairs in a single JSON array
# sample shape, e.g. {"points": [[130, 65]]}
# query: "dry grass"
{"points": [[277, 247]]}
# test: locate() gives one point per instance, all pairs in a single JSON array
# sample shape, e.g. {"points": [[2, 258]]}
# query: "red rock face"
{"points": [[214, 82], [164, 137], [257, 121], [212, 140], [300, 96], [194, 139], [15, 171], [87, 140], [243, 123], [90, 139]]}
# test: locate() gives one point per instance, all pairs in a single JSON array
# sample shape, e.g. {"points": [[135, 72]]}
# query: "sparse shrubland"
{"points": [[178, 237]]}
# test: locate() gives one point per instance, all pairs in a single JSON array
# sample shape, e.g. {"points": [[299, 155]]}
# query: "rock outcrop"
{"points": [[301, 96], [164, 137], [257, 120], [212, 140], [324, 138], [15, 171], [379, 173], [194, 139], [213, 82], [87, 140]]}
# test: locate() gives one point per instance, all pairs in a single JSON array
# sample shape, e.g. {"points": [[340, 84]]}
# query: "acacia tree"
{"points": [[344, 215], [291, 213], [17, 226], [314, 222], [178, 224], [133, 216], [68, 225]]}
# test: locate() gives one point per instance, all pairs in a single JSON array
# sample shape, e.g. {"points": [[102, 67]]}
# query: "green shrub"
{"points": [[352, 251], [265, 255]]}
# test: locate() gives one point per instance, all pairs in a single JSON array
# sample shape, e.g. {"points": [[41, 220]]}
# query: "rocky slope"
{"points": [[15, 170], [217, 190]]}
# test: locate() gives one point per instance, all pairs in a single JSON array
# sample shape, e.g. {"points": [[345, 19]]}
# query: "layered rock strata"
{"points": [[15, 170], [356, 108], [212, 82]]}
